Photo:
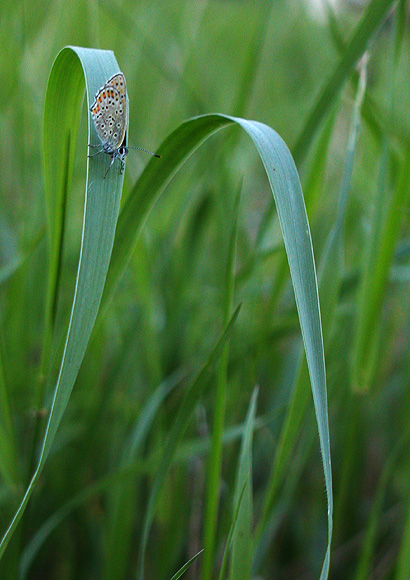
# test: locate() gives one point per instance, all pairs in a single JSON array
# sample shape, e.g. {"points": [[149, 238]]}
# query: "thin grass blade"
{"points": [[376, 12], [185, 567], [242, 541], [215, 457], [188, 405], [285, 185]]}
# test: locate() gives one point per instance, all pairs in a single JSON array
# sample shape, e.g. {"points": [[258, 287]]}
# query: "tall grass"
{"points": [[160, 338]]}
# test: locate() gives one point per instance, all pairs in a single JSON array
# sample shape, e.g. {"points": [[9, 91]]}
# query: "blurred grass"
{"points": [[165, 296]]}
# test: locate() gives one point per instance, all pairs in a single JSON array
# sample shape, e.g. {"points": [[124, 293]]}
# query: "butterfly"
{"points": [[110, 116]]}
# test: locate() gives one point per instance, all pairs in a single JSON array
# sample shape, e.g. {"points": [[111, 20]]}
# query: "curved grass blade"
{"points": [[285, 184], [287, 192], [102, 199], [123, 476], [329, 286], [46, 529], [284, 181], [376, 12]]}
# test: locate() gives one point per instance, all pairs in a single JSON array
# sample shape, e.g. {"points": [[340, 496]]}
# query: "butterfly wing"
{"points": [[109, 113], [117, 81]]}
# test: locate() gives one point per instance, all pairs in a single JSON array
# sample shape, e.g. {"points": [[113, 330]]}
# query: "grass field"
{"points": [[204, 361]]}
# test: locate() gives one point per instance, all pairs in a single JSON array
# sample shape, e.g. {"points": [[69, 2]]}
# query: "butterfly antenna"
{"points": [[146, 151]]}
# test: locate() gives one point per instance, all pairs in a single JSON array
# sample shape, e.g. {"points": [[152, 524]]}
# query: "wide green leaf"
{"points": [[100, 218], [73, 68], [285, 185]]}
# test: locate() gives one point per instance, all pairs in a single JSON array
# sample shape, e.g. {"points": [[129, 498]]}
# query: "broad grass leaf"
{"points": [[72, 68]]}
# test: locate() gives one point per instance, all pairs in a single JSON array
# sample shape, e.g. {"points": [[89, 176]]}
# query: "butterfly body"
{"points": [[115, 153]]}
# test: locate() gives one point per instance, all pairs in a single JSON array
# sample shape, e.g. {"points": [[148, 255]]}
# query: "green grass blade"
{"points": [[10, 257], [376, 12], [242, 541], [364, 568], [8, 451], [232, 529], [329, 284], [378, 255], [38, 540], [287, 192], [120, 507], [288, 196], [112, 481], [102, 201], [186, 566], [215, 457], [286, 189], [188, 405], [403, 560]]}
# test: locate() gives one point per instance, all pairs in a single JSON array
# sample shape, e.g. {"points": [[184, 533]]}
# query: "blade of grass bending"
{"points": [[102, 200], [45, 530], [376, 12], [329, 285], [215, 457], [186, 566], [285, 185], [314, 176], [328, 281], [190, 400], [242, 541], [125, 474]]}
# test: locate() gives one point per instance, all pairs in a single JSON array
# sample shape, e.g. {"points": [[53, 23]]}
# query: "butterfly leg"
{"points": [[109, 167], [98, 152]]}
